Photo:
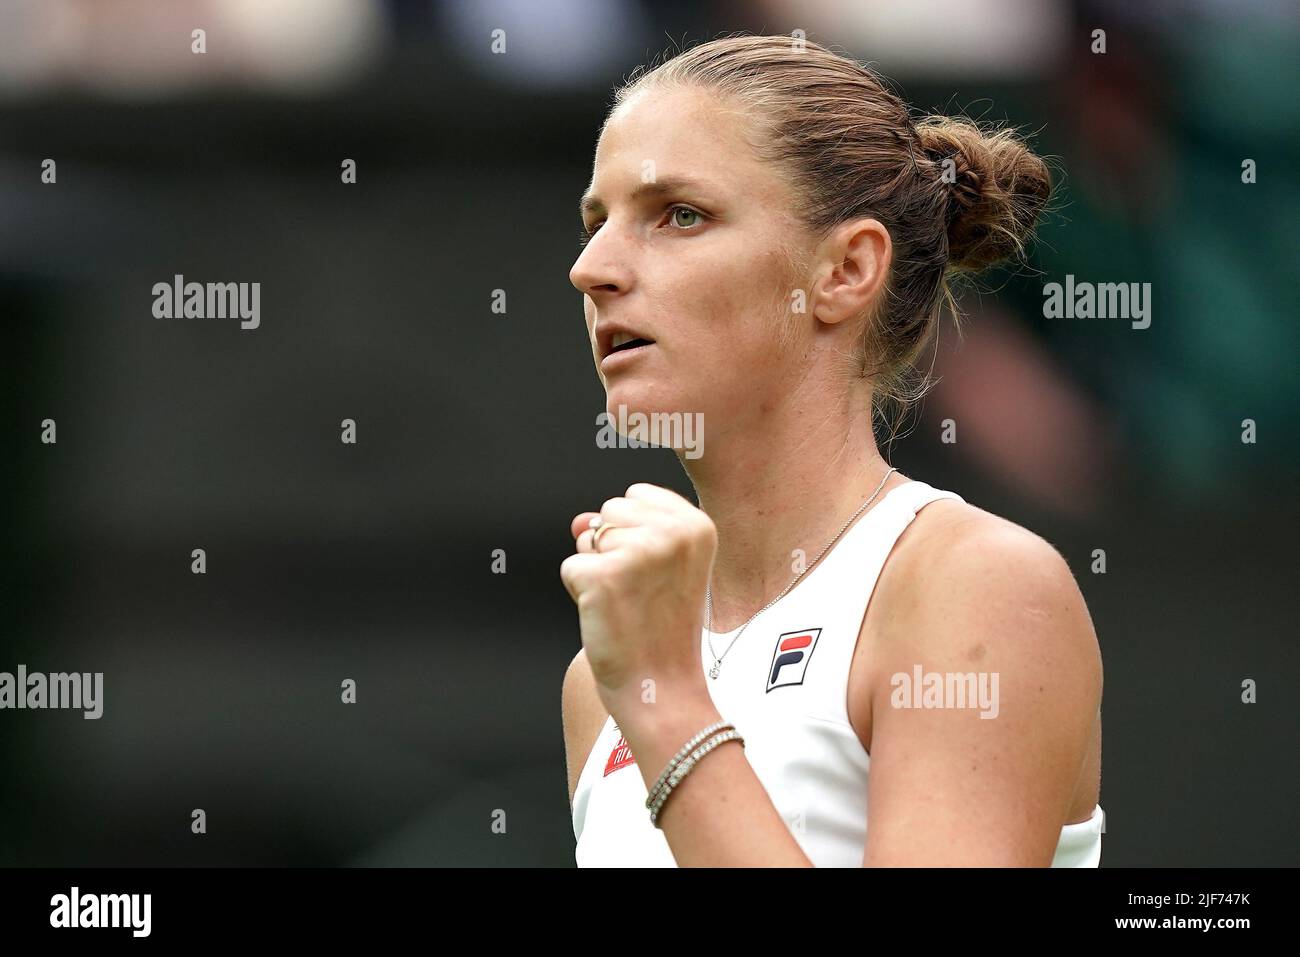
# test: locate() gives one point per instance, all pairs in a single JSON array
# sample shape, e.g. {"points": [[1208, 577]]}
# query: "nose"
{"points": [[598, 270]]}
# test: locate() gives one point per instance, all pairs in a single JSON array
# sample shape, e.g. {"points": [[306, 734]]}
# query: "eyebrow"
{"points": [[591, 203]]}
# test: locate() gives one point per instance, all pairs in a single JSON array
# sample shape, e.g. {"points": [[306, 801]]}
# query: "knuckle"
{"points": [[660, 546]]}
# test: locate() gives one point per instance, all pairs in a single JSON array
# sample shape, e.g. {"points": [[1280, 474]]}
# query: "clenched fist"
{"points": [[640, 593]]}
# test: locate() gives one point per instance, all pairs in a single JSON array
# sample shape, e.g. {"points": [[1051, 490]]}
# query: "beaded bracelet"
{"points": [[677, 758], [676, 777]]}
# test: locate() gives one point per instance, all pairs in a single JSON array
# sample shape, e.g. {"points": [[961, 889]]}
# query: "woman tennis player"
{"points": [[826, 663]]}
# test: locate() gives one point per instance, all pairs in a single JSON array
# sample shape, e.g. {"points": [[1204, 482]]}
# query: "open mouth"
{"points": [[630, 344]]}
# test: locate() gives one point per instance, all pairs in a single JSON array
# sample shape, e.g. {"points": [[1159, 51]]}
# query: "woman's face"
{"points": [[687, 251]]}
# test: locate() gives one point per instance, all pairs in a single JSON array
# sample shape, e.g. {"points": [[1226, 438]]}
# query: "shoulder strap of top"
{"points": [[869, 541], [915, 495]]}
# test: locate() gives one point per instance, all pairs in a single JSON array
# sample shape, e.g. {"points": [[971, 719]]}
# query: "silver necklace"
{"points": [[708, 591]]}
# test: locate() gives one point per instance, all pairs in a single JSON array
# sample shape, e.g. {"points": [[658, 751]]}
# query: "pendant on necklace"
{"points": [[713, 672]]}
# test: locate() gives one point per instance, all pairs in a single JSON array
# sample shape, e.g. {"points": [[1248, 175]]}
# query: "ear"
{"points": [[854, 262]]}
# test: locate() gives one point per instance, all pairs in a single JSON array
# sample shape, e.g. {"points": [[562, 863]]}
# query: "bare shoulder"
{"points": [[965, 566], [966, 586], [583, 714], [960, 558], [969, 595]]}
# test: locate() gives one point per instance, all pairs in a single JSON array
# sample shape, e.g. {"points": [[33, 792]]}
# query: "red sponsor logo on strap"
{"points": [[620, 757]]}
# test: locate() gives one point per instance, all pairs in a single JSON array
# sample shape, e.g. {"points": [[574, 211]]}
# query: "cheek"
{"points": [[733, 359], [723, 316], [738, 297], [753, 309]]}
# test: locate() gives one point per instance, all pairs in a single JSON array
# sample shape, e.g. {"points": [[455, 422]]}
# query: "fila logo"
{"points": [[791, 656]]}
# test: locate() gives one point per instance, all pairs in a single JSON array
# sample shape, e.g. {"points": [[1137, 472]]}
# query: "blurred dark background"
{"points": [[476, 429]]}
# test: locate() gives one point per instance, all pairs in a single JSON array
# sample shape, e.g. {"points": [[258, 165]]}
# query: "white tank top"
{"points": [[784, 685]]}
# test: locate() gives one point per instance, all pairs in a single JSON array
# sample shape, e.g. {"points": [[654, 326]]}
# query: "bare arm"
{"points": [[947, 786], [583, 715], [720, 815]]}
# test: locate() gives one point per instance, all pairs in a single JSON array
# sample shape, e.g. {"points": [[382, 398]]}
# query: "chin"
{"points": [[653, 415], [654, 420], [640, 397], [646, 397]]}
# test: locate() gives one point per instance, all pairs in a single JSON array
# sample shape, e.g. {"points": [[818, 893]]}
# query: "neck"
{"points": [[788, 480]]}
